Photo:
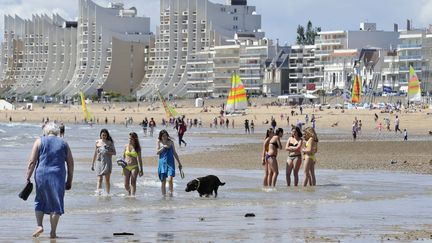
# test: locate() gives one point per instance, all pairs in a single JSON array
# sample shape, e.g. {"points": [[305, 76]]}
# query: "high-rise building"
{"points": [[37, 54], [112, 47], [106, 49], [191, 26]]}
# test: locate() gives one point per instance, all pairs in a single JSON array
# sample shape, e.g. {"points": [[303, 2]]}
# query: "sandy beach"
{"points": [[340, 160], [372, 151]]}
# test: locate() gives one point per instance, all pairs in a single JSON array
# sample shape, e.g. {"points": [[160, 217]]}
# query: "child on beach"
{"points": [[166, 166], [405, 135], [309, 156]]}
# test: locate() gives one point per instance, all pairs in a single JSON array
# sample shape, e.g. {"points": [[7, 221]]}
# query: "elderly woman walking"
{"points": [[47, 160]]}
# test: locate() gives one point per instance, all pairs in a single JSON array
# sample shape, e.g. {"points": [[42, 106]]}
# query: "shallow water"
{"points": [[351, 206]]}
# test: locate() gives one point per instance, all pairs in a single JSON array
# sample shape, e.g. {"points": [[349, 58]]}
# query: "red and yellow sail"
{"points": [[356, 90], [414, 90], [237, 100]]}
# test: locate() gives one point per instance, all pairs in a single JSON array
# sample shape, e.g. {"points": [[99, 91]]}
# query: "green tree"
{"points": [[308, 37], [300, 35]]}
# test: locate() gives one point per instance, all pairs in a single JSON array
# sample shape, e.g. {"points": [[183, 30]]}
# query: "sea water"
{"points": [[345, 205]]}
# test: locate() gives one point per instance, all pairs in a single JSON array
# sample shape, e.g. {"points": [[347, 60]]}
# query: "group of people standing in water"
{"points": [[131, 161], [298, 150]]}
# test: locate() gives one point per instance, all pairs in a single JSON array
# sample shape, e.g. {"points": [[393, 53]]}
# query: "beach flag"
{"points": [[356, 89], [414, 91], [237, 99]]}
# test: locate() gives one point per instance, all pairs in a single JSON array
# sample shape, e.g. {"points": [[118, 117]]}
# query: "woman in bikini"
{"points": [[309, 156], [166, 166], [103, 153], [275, 145], [134, 165], [294, 146], [265, 156]]}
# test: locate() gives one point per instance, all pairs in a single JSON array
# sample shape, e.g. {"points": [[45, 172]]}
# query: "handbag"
{"points": [[25, 192]]}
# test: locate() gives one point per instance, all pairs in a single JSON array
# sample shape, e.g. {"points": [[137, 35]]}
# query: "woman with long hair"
{"points": [[134, 165], [166, 167], [266, 144], [309, 156], [275, 145], [104, 150], [294, 146]]}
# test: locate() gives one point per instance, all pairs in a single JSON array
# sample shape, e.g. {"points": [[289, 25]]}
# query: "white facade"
{"points": [[98, 29], [302, 68], [415, 50], [187, 27], [105, 49], [209, 72], [333, 48], [37, 54]]}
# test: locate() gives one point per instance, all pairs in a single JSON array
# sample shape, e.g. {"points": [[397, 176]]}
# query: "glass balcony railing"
{"points": [[410, 57]]}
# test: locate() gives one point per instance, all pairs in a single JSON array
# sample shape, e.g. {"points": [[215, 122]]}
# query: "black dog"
{"points": [[205, 185]]}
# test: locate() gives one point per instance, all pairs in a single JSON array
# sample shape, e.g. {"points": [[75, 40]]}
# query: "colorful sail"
{"points": [[414, 90], [237, 100], [169, 110], [87, 115], [356, 89]]}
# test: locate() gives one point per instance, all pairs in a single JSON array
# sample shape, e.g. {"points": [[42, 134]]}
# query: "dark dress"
{"points": [[50, 175]]}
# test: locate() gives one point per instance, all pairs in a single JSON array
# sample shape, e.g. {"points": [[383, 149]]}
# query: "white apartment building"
{"points": [[303, 72], [37, 54], [191, 26], [106, 49], [334, 64], [415, 49], [209, 72], [112, 47]]}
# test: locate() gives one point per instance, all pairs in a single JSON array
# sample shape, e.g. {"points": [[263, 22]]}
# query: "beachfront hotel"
{"points": [[186, 28], [106, 49]]}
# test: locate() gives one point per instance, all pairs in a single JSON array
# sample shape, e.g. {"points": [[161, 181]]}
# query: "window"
{"points": [[235, 18]]}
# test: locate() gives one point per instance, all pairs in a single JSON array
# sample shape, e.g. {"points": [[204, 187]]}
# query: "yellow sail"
{"points": [[87, 115], [169, 110]]}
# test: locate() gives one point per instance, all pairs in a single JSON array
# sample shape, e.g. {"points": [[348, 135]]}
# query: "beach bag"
{"points": [[25, 192]]}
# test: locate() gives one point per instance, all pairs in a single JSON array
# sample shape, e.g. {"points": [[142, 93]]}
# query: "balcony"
{"points": [[411, 58], [409, 46]]}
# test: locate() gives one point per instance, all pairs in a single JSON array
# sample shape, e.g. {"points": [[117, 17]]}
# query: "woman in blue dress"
{"points": [[47, 159], [166, 168]]}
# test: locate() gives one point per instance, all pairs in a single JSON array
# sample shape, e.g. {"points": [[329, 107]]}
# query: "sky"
{"points": [[280, 18]]}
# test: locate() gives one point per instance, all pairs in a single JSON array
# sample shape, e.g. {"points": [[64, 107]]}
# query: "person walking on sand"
{"points": [[104, 150], [134, 165], [397, 121], [47, 160], [309, 156], [62, 130], [354, 130], [265, 156], [166, 167], [275, 145], [252, 127], [294, 161], [405, 135]]}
